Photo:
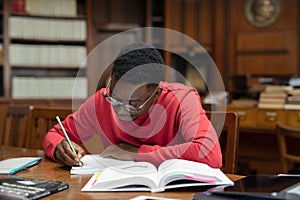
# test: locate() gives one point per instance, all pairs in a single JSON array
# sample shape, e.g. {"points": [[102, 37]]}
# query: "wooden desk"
{"points": [[50, 170]]}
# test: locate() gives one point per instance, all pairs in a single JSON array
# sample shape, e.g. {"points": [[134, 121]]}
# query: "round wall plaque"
{"points": [[262, 13]]}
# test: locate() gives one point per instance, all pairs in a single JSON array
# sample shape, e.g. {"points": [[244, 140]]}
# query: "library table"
{"points": [[50, 170]]}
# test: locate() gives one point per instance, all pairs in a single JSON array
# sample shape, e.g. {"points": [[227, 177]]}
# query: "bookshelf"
{"points": [[108, 18], [1, 47], [44, 43]]}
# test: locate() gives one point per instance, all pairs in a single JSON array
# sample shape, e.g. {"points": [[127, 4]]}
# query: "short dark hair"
{"points": [[139, 63]]}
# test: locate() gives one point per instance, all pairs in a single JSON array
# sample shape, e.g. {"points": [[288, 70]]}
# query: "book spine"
{"points": [[18, 6]]}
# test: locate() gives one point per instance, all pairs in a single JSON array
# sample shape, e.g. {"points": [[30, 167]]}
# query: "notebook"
{"points": [[14, 165], [13, 187]]}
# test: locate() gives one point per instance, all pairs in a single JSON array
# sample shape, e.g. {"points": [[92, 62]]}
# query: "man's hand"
{"points": [[121, 151], [63, 153]]}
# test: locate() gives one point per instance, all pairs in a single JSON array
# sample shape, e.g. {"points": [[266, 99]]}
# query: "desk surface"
{"points": [[50, 170]]}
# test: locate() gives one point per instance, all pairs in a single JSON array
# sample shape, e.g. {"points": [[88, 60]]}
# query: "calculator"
{"points": [[13, 187]]}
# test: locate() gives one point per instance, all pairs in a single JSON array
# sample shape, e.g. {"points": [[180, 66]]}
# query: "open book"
{"points": [[144, 176]]}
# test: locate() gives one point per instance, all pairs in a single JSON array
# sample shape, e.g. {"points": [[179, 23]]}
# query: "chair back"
{"points": [[2, 121], [288, 138], [16, 118], [229, 138], [41, 120]]}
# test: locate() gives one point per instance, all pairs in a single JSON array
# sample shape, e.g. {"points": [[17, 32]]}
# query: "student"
{"points": [[139, 117]]}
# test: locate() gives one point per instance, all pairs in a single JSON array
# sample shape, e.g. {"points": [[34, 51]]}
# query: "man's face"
{"points": [[139, 96]]}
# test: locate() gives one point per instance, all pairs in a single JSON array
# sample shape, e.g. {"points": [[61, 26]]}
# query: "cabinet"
{"points": [[45, 49], [258, 148]]}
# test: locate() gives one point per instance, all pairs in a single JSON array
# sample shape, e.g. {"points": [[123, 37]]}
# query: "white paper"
{"points": [[14, 165], [95, 163]]}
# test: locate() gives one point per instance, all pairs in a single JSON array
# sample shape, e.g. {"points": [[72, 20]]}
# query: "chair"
{"points": [[229, 139], [209, 106], [288, 138], [2, 120], [16, 118], [41, 119]]}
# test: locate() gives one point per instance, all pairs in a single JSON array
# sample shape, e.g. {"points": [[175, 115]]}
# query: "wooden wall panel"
{"points": [[173, 20], [206, 23], [264, 51], [192, 18], [260, 64], [195, 19], [263, 42]]}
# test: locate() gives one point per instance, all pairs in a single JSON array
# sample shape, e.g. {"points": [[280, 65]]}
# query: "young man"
{"points": [[139, 117]]}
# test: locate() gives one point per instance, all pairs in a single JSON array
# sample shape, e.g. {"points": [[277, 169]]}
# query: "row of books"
{"points": [[45, 28], [273, 96], [49, 87], [293, 100], [279, 97], [47, 55], [64, 8]]}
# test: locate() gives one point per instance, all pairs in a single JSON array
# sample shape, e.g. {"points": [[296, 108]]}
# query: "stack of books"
{"points": [[293, 99], [274, 96], [243, 102]]}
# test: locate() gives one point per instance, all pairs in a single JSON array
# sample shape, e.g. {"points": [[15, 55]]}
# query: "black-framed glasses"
{"points": [[130, 108]]}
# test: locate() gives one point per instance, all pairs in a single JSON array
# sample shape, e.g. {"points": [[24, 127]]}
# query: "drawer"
{"points": [[246, 116], [293, 118], [269, 117]]}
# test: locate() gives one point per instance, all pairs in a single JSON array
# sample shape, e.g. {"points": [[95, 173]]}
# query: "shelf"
{"points": [[46, 41], [46, 44], [48, 72], [192, 50], [65, 67], [48, 16], [117, 27]]}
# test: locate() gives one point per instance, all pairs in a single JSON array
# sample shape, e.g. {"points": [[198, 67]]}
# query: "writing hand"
{"points": [[64, 154], [121, 151]]}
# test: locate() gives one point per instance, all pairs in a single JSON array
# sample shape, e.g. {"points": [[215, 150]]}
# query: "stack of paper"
{"points": [[96, 163]]}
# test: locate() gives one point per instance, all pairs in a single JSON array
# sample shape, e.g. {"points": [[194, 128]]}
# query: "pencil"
{"points": [[66, 135]]}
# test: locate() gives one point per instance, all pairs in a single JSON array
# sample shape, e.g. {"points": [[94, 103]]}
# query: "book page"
{"points": [[94, 163], [194, 172], [133, 176]]}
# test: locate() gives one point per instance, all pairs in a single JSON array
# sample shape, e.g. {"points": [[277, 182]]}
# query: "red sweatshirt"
{"points": [[175, 126]]}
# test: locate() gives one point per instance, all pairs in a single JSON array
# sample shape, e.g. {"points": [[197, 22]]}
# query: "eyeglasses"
{"points": [[130, 108]]}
